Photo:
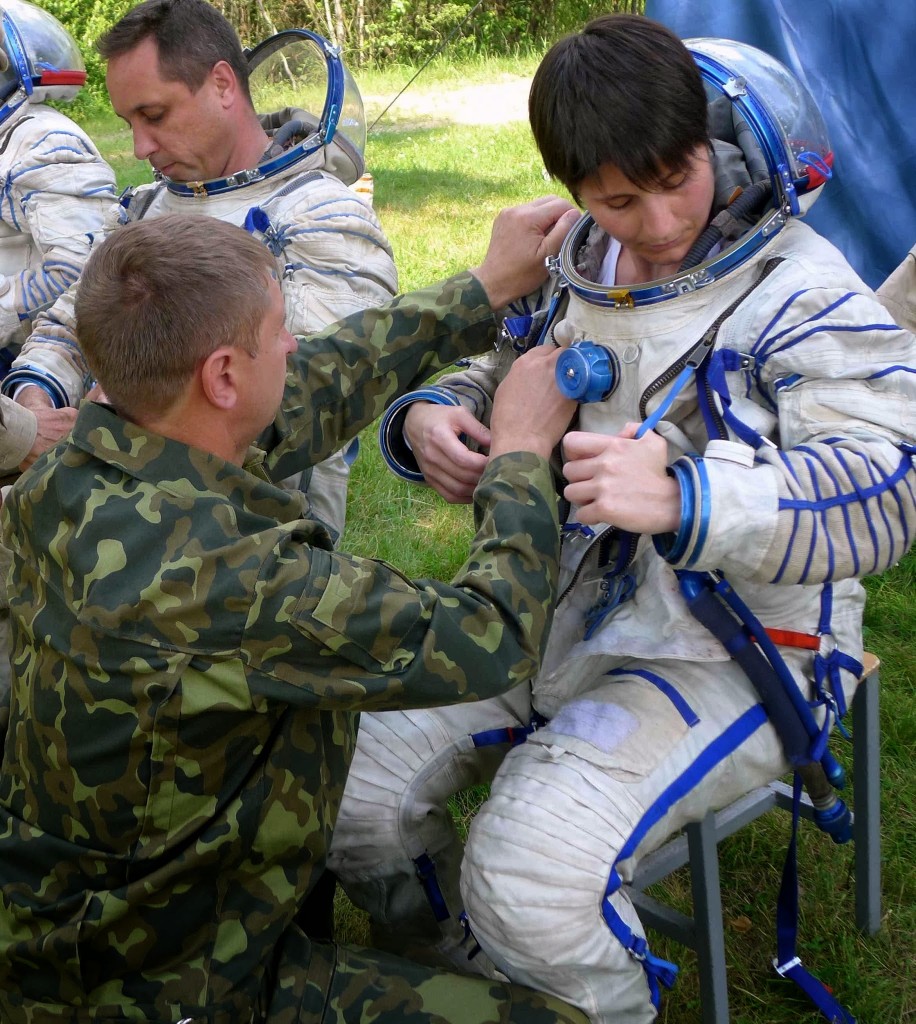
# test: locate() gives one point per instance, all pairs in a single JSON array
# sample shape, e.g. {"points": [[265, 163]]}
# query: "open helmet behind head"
{"points": [[39, 59], [309, 105]]}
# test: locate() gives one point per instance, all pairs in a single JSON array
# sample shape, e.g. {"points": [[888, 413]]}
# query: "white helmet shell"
{"points": [[39, 59]]}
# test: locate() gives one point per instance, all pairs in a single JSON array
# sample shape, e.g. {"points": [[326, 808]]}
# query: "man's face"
{"points": [[657, 228], [185, 135], [265, 383]]}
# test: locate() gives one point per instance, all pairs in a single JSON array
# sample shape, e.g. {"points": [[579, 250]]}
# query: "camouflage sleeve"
{"points": [[331, 630], [346, 375]]}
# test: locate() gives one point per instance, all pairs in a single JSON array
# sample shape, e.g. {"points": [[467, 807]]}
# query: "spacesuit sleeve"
{"points": [[58, 189], [831, 494], [17, 434], [898, 292], [472, 387], [50, 358]]}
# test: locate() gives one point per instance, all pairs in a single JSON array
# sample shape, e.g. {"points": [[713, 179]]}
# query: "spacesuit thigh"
{"points": [[571, 812], [394, 818]]}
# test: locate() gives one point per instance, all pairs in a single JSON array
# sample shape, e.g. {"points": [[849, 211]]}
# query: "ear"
{"points": [[223, 78], [220, 375]]}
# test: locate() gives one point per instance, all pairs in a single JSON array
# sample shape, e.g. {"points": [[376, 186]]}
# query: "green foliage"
{"points": [[86, 21], [371, 32]]}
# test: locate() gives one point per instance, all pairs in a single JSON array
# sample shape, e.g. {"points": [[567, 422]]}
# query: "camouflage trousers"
{"points": [[324, 983]]}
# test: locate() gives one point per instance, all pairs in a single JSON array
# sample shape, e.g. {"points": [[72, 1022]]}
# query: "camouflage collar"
{"points": [[180, 469]]}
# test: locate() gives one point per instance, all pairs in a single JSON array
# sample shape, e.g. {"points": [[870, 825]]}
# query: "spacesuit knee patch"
{"points": [[605, 726]]}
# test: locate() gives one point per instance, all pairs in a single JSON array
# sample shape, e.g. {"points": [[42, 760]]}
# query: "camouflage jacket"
{"points": [[189, 654]]}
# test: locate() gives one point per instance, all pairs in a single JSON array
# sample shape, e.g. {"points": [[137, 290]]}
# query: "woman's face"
{"points": [[656, 229]]}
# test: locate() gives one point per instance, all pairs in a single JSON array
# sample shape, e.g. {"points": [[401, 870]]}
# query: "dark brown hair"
{"points": [[625, 91]]}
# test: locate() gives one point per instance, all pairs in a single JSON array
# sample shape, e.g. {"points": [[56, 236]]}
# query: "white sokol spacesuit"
{"points": [[787, 397], [56, 188], [331, 250]]}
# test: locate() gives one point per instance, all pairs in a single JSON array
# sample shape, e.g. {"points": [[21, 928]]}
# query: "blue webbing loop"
{"points": [[512, 734], [426, 871], [787, 962], [656, 969]]}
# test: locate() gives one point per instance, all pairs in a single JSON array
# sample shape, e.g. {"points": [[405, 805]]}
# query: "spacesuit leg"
{"points": [[573, 810], [394, 825], [327, 491]]}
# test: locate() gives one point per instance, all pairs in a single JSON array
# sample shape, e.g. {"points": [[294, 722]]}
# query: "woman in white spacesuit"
{"points": [[56, 192], [748, 413], [270, 140]]}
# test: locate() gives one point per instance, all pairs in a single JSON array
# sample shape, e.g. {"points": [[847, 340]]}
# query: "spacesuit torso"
{"points": [[334, 256], [653, 620]]}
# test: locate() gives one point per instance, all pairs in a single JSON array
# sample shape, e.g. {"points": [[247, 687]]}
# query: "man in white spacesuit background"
{"points": [[179, 78], [748, 409], [56, 192]]}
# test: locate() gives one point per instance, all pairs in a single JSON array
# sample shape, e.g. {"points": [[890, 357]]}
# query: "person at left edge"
{"points": [[56, 191]]}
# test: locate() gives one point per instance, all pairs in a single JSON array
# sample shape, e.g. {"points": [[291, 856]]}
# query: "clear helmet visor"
{"points": [[305, 95], [38, 53], [771, 110]]}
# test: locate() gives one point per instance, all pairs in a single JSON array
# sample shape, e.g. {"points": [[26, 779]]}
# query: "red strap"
{"points": [[63, 77], [791, 638]]}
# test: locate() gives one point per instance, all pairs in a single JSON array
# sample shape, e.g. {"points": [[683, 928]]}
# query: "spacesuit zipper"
{"points": [[604, 539], [697, 355]]}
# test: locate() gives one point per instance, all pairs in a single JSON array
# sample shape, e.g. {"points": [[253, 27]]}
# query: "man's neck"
{"points": [[250, 148]]}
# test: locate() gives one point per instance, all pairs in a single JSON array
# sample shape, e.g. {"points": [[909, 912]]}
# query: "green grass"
{"points": [[436, 191]]}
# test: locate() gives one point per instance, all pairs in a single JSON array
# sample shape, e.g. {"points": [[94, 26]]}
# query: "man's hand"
{"points": [[448, 465], [522, 239], [53, 424], [530, 413], [621, 480]]}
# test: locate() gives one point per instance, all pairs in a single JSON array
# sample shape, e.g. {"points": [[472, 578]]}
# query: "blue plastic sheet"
{"points": [[858, 60]]}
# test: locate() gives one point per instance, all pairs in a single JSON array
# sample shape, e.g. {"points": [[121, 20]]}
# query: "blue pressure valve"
{"points": [[587, 372]]}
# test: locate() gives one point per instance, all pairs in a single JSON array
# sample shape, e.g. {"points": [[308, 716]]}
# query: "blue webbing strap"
{"points": [[656, 969], [513, 734], [426, 871], [787, 962]]}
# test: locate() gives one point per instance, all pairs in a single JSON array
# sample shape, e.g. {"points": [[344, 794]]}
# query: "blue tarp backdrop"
{"points": [[858, 59]]}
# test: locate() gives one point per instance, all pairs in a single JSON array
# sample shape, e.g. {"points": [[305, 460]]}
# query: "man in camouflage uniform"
{"points": [[190, 650]]}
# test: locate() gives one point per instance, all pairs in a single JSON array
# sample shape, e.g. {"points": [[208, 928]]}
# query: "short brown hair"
{"points": [[158, 296], [623, 91], [191, 37]]}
